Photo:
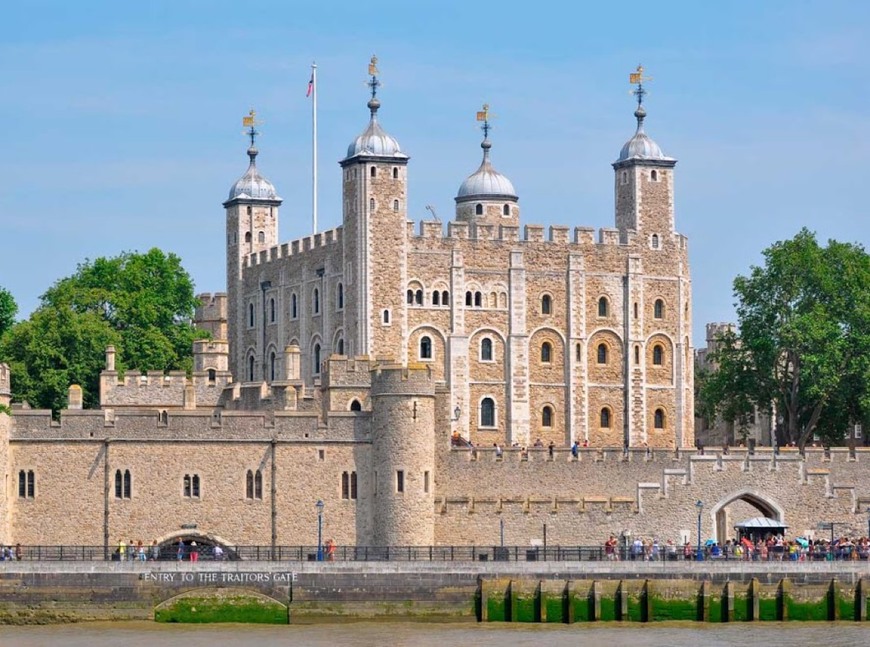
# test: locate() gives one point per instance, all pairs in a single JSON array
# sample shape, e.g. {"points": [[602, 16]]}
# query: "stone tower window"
{"points": [[254, 485], [251, 368], [355, 405], [654, 241], [395, 205], [373, 172], [372, 202], [339, 296], [409, 297], [659, 309], [251, 315], [506, 210], [658, 354], [272, 310], [26, 484], [272, 366], [623, 178], [468, 298], [445, 298], [478, 299], [603, 307], [486, 349], [315, 368], [635, 309], [395, 173], [436, 298], [385, 317], [191, 486], [261, 237], [659, 419], [294, 306], [478, 210], [248, 210], [602, 353], [348, 485], [400, 481], [418, 297], [247, 237], [637, 354], [546, 304], [487, 412], [425, 348], [547, 416], [123, 484], [316, 301], [340, 346], [578, 352], [212, 375], [604, 420], [653, 176], [546, 352]]}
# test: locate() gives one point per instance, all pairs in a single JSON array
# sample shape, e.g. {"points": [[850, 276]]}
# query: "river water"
{"points": [[412, 634]]}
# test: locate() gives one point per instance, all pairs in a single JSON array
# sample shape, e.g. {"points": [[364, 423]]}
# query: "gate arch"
{"points": [[758, 500], [205, 542]]}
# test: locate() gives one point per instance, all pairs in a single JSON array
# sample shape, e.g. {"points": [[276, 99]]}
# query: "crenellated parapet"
{"points": [[329, 238]]}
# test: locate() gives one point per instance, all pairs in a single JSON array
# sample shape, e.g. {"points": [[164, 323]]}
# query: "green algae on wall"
{"points": [[222, 609], [665, 610]]}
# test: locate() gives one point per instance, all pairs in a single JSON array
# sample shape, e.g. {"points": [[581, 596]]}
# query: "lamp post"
{"points": [[700, 506], [319, 506]]}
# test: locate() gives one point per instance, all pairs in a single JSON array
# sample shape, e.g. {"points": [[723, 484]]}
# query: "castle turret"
{"points": [[403, 446], [375, 235], [252, 226], [487, 197]]}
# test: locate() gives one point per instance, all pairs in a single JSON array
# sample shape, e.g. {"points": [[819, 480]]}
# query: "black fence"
{"points": [[188, 552]]}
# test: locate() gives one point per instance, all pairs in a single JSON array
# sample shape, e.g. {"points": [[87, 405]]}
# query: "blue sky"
{"points": [[123, 120]]}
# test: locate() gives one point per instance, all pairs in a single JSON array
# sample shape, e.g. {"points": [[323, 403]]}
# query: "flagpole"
{"points": [[314, 147]]}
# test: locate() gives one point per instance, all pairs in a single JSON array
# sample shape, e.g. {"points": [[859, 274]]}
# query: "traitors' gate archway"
{"points": [[724, 517]]}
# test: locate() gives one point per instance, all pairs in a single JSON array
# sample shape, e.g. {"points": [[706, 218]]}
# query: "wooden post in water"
{"points": [[861, 601], [568, 603], [728, 602], [783, 592], [753, 601], [595, 611], [622, 602]]}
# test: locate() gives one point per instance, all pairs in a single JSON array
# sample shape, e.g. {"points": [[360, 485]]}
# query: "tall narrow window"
{"points": [[340, 346], [425, 348], [186, 487], [249, 485], [635, 309], [340, 296], [418, 297], [345, 485], [395, 173], [478, 210], [386, 317], [395, 205], [128, 485], [261, 237], [659, 309], [578, 352], [659, 419], [272, 310], [602, 307], [316, 301], [546, 304], [212, 375], [602, 353], [468, 298], [486, 349], [478, 299], [546, 352], [605, 418], [294, 306], [653, 176], [409, 297], [195, 485], [258, 484], [445, 298], [251, 368], [374, 172], [436, 298], [119, 485], [506, 210], [316, 360], [371, 203], [547, 417], [658, 355], [426, 482], [251, 314], [655, 241], [487, 412], [272, 366], [637, 354], [400, 481], [353, 485]]}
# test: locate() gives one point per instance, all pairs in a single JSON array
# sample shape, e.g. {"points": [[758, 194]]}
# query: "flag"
{"points": [[310, 85]]}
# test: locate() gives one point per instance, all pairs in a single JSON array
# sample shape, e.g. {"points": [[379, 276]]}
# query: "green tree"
{"points": [[803, 345], [8, 310], [140, 303]]}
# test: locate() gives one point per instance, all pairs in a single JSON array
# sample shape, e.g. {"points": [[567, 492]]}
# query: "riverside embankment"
{"points": [[42, 592]]}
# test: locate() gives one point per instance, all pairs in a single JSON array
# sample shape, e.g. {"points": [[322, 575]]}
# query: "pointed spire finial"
{"points": [[484, 116], [250, 122], [374, 83], [638, 78]]}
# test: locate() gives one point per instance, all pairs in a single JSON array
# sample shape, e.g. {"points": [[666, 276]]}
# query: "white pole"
{"points": [[314, 147]]}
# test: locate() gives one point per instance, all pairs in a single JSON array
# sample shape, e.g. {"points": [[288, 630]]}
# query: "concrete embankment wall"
{"points": [[523, 592]]}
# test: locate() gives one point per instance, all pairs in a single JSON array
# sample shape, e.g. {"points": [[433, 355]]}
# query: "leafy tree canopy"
{"points": [[803, 346], [140, 303], [8, 310]]}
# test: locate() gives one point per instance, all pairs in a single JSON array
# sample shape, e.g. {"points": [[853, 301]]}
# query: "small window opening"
{"points": [[425, 348], [418, 297], [602, 307], [486, 349], [547, 417], [506, 210], [395, 173], [436, 298], [355, 406], [373, 172], [658, 355], [468, 298], [340, 296], [546, 352], [637, 354], [655, 241], [272, 310], [546, 304], [487, 412], [478, 299], [659, 419], [395, 205], [261, 237], [316, 360], [602, 353], [659, 309], [605, 418], [386, 316], [400, 481], [478, 210]]}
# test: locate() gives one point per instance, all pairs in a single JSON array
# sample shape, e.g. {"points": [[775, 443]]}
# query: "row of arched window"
{"points": [[505, 209], [487, 417], [254, 484], [123, 484], [373, 172], [26, 484], [372, 203], [439, 297]]}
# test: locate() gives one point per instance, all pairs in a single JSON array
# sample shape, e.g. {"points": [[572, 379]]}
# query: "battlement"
{"points": [[156, 389], [347, 371], [294, 248], [212, 307], [396, 379]]}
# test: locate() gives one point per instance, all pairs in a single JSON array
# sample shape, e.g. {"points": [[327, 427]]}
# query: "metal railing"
{"points": [[303, 553]]}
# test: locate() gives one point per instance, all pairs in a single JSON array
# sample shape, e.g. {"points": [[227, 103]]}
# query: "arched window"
{"points": [[418, 297], [258, 484], [624, 177], [26, 484], [655, 241], [371, 203], [445, 298], [355, 405], [658, 355], [345, 485], [339, 296], [248, 210], [409, 297], [247, 237], [316, 301], [468, 298], [251, 314], [395, 205], [604, 421], [353, 485], [547, 416], [272, 366], [635, 309], [340, 346], [436, 298], [487, 412], [374, 172], [122, 484], [659, 419], [602, 307], [506, 210], [294, 306], [261, 237], [316, 360], [602, 353], [478, 210], [637, 354], [395, 173], [249, 485], [272, 310], [546, 304], [546, 352], [486, 349], [386, 317], [478, 299], [212, 375], [659, 309], [251, 368], [654, 176], [195, 485], [425, 348]]}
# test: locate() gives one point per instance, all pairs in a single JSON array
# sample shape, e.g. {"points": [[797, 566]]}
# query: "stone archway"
{"points": [[168, 546], [722, 519]]}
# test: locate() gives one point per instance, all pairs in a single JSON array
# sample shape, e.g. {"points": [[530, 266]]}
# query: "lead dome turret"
{"points": [[252, 185]]}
